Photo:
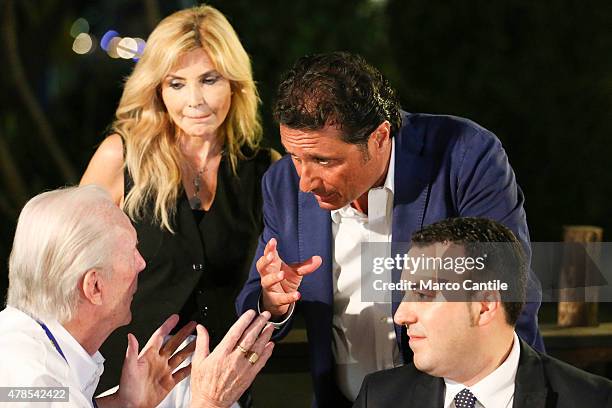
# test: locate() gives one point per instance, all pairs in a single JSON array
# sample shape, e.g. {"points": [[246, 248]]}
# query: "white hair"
{"points": [[60, 235]]}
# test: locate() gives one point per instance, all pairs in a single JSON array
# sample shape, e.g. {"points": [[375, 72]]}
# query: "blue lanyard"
{"points": [[59, 349], [50, 336]]}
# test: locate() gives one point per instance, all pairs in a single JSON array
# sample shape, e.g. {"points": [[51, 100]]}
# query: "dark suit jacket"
{"points": [[444, 167], [541, 382]]}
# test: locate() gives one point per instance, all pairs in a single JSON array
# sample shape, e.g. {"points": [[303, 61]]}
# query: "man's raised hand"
{"points": [[280, 281]]}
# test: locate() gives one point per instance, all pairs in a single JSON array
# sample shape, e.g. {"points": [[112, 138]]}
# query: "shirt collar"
{"points": [[86, 368], [496, 389], [389, 184], [390, 180]]}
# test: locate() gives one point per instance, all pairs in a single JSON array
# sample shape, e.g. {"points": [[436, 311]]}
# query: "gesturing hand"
{"points": [[147, 378], [279, 281], [218, 379]]}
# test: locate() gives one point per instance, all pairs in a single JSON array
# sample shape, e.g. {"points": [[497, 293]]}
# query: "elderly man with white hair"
{"points": [[73, 271]]}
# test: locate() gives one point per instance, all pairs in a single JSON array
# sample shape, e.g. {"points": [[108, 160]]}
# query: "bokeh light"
{"points": [[79, 26], [141, 46], [106, 39], [111, 49], [127, 48], [82, 43], [94, 44], [114, 45]]}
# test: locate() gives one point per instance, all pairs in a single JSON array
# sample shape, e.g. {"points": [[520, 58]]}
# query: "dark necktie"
{"points": [[465, 399]]}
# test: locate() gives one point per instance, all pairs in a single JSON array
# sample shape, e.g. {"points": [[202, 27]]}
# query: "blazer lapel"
{"points": [[428, 392], [409, 202], [314, 236], [412, 180], [530, 388], [412, 183], [412, 186]]}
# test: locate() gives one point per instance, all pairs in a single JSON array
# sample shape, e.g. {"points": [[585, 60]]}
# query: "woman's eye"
{"points": [[211, 80], [175, 85]]}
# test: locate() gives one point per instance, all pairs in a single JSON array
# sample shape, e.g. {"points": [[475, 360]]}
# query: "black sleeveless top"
{"points": [[199, 270]]}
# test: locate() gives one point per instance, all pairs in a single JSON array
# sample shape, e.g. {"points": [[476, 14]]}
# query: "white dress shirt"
{"points": [[29, 359], [496, 390], [363, 332]]}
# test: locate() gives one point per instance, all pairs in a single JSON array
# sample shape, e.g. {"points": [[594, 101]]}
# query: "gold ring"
{"points": [[253, 358], [242, 350]]}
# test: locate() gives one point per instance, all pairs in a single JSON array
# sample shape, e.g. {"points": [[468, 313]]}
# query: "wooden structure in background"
{"points": [[577, 301]]}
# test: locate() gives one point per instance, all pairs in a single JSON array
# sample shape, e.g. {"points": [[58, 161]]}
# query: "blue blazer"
{"points": [[444, 167]]}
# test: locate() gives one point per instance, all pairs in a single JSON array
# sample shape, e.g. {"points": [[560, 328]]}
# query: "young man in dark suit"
{"points": [[461, 325]]}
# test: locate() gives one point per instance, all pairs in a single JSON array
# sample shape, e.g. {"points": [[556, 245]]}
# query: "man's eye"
{"points": [[323, 162], [297, 159], [424, 295]]}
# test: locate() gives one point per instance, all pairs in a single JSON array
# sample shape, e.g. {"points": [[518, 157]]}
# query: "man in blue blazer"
{"points": [[360, 170]]}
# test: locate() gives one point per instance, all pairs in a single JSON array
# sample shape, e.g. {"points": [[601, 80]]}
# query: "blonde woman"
{"points": [[184, 163]]}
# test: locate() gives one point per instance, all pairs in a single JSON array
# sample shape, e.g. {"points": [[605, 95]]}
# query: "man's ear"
{"points": [[382, 134], [92, 286], [488, 308]]}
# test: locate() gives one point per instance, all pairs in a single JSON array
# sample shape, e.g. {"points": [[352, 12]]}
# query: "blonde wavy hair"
{"points": [[152, 156]]}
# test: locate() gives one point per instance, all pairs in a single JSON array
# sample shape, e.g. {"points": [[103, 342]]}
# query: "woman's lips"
{"points": [[202, 117]]}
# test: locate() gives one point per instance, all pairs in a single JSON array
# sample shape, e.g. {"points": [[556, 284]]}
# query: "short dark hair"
{"points": [[339, 89], [479, 236]]}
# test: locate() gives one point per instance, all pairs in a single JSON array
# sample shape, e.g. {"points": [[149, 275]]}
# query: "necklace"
{"points": [[195, 202]]}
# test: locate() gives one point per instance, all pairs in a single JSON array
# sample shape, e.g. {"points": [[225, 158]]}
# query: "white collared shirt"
{"points": [[363, 334], [496, 390], [29, 359]]}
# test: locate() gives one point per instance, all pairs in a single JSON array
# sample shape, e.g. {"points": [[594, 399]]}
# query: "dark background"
{"points": [[538, 74]]}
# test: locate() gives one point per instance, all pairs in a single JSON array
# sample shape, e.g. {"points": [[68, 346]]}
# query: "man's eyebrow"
{"points": [[310, 156]]}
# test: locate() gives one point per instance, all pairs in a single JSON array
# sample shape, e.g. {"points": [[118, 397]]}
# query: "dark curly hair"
{"points": [[338, 89], [505, 258]]}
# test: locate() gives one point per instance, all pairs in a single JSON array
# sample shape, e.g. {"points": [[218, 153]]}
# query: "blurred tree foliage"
{"points": [[537, 74], [276, 33]]}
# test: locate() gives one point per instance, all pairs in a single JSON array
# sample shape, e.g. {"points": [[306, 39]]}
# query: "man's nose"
{"points": [[309, 180], [141, 264], [405, 313]]}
